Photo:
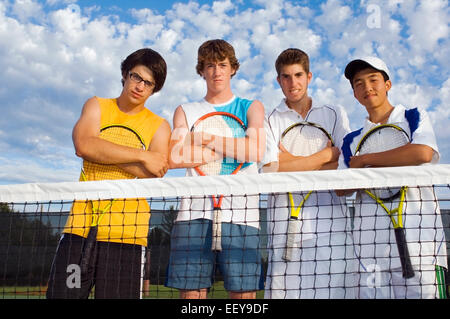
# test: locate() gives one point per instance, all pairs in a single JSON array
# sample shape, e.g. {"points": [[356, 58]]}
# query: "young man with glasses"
{"points": [[122, 232]]}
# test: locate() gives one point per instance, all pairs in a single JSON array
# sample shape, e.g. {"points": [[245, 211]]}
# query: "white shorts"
{"points": [[322, 268], [390, 284]]}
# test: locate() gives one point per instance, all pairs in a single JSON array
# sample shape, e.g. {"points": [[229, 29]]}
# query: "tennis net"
{"points": [[294, 237]]}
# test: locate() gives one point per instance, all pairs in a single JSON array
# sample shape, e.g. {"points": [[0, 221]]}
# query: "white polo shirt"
{"points": [[373, 234], [322, 213]]}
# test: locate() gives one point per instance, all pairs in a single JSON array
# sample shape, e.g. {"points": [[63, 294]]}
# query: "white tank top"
{"points": [[243, 210]]}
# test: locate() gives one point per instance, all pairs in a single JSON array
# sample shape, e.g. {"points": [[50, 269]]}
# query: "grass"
{"points": [[22, 292], [217, 291]]}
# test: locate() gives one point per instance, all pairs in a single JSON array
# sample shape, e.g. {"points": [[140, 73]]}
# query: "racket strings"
{"points": [[380, 140], [224, 126], [300, 140], [304, 140]]}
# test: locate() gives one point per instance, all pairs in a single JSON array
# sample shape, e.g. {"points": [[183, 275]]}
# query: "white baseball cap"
{"points": [[371, 61]]}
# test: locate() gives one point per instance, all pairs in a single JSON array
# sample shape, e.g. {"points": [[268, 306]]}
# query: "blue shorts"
{"points": [[192, 263]]}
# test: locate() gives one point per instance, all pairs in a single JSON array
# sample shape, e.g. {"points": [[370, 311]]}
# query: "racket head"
{"points": [[221, 124], [118, 134], [301, 139], [383, 138], [305, 138]]}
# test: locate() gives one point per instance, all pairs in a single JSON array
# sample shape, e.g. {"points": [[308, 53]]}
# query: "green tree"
{"points": [[27, 246]]}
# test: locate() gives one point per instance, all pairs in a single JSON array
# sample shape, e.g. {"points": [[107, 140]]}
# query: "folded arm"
{"points": [[89, 146], [183, 153], [407, 155], [250, 148]]}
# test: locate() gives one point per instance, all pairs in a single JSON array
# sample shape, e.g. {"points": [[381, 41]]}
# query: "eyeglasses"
{"points": [[136, 78]]}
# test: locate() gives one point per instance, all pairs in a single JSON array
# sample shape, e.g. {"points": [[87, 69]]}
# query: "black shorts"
{"points": [[117, 272]]}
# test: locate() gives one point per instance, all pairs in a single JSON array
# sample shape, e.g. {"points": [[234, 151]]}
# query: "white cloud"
{"points": [[27, 170], [428, 24], [334, 16], [221, 7], [412, 95], [441, 113], [168, 39], [57, 2], [25, 9]]}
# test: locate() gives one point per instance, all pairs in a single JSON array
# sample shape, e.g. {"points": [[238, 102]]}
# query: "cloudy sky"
{"points": [[55, 54]]}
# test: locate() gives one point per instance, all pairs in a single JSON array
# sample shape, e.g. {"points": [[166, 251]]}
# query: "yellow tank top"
{"points": [[124, 221]]}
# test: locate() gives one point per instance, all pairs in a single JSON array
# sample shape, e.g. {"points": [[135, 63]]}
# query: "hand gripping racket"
{"points": [[301, 139], [382, 138], [118, 134], [226, 125]]}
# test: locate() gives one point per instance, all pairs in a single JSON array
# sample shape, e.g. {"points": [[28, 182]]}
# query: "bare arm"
{"points": [[160, 145], [89, 145], [410, 154], [182, 151], [324, 159], [250, 148]]}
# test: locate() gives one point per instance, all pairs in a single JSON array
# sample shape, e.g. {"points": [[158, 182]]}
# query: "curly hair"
{"points": [[215, 51]]}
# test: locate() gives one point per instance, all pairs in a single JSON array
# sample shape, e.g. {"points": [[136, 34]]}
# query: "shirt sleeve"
{"points": [[424, 134], [342, 126], [271, 154], [341, 162]]}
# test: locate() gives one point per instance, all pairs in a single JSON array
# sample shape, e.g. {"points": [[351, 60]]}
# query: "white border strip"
{"points": [[227, 185]]}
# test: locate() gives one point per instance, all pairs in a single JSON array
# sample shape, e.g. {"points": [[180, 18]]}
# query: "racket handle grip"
{"points": [[217, 231], [88, 251], [291, 243], [405, 259]]}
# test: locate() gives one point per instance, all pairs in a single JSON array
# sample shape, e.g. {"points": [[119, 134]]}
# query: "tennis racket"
{"points": [[301, 139], [118, 134], [226, 125], [382, 138]]}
